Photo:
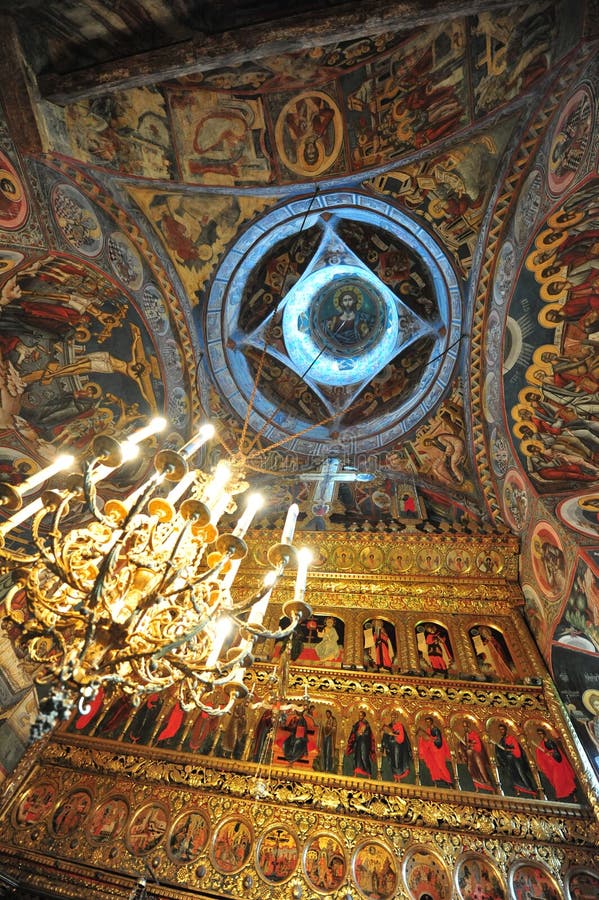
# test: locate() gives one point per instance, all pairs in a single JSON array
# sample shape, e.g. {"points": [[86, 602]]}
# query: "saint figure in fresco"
{"points": [[437, 653], [361, 746], [475, 756], [434, 752], [496, 655], [296, 745], [378, 644], [328, 648], [328, 743], [514, 770], [395, 745], [349, 325], [555, 767]]}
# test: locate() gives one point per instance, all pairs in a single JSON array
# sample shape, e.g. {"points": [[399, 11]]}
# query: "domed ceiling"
{"points": [[338, 314]]}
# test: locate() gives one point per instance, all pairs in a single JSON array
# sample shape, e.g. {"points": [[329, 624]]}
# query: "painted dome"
{"points": [[335, 313]]}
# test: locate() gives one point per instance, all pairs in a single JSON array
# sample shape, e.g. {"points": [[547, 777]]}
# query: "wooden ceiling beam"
{"points": [[251, 42]]}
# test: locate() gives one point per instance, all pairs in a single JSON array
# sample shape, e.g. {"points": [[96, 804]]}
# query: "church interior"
{"points": [[362, 241]]}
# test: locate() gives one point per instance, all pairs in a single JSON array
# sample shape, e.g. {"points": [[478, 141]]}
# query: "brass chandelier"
{"points": [[136, 594]]}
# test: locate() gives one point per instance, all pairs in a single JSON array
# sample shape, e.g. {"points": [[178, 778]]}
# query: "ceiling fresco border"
{"points": [[93, 189], [499, 220]]}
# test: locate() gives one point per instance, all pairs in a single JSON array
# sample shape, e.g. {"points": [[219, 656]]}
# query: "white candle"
{"points": [[229, 577], [304, 558], [258, 610], [181, 487], [153, 427], [65, 461], [222, 630], [198, 440], [289, 526], [26, 512], [128, 450], [254, 503]]}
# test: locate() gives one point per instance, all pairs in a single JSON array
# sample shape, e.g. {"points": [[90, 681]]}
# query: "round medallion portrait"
{"points": [[188, 836], [348, 314], [581, 513], [231, 845], [459, 561], [374, 870], [533, 880], [548, 559], [71, 812], [570, 140], [35, 804], [146, 829], [477, 878], [515, 500], [400, 559], [425, 875], [324, 863], [582, 884], [13, 202], [125, 260], [277, 855], [77, 220], [107, 820]]}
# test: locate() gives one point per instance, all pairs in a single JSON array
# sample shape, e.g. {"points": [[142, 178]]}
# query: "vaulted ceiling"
{"points": [[203, 182]]}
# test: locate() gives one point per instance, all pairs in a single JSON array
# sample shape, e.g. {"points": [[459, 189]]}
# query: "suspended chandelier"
{"points": [[136, 594]]}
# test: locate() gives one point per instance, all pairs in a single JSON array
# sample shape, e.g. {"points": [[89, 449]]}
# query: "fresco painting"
{"points": [[425, 875], [449, 190], [76, 359], [277, 855], [548, 559], [581, 513], [403, 115], [478, 879], [127, 131], [570, 140], [309, 134], [578, 625], [221, 138], [509, 53], [528, 880], [374, 870], [324, 862], [194, 229], [13, 199], [552, 390]]}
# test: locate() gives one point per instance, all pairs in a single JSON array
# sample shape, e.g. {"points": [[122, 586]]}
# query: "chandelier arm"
{"points": [[89, 491], [245, 606], [199, 579], [12, 556], [171, 573], [52, 558], [235, 690], [182, 639]]}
